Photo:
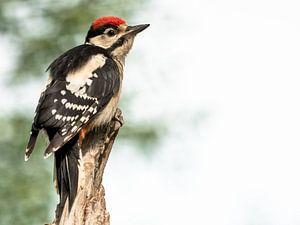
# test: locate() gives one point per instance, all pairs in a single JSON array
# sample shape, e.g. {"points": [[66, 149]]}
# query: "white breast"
{"points": [[106, 114], [109, 111]]}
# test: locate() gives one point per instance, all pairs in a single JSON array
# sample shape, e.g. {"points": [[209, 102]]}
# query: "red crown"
{"points": [[113, 20]]}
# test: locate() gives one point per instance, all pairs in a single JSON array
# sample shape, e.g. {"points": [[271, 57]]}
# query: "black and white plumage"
{"points": [[65, 107], [82, 93]]}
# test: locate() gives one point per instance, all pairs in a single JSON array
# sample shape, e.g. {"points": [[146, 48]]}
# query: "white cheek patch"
{"points": [[103, 41]]}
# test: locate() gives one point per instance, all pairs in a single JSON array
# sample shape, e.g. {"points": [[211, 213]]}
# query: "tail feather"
{"points": [[31, 143], [66, 166], [58, 140], [55, 144]]}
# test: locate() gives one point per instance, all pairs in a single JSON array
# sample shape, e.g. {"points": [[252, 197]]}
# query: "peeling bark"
{"points": [[89, 207]]}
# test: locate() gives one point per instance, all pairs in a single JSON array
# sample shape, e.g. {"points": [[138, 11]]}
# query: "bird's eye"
{"points": [[111, 33]]}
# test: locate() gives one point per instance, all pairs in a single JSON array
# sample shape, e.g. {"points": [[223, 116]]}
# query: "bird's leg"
{"points": [[119, 119], [116, 123]]}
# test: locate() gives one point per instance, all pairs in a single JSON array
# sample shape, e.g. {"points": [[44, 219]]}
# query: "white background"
{"points": [[234, 65]]}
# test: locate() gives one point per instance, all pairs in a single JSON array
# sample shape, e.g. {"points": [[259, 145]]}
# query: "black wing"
{"points": [[64, 113]]}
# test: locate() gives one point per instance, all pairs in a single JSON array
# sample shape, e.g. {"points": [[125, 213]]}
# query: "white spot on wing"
{"points": [[75, 107], [26, 157], [89, 82], [53, 111], [63, 92], [54, 149], [95, 110], [74, 129], [67, 138], [47, 155], [58, 116], [63, 101]]}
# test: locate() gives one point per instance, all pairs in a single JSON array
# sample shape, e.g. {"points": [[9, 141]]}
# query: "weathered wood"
{"points": [[89, 207]]}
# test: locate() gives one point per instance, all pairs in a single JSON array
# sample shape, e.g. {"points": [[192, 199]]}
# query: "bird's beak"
{"points": [[136, 29]]}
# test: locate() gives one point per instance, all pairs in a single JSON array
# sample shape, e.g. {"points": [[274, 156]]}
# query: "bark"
{"points": [[89, 207]]}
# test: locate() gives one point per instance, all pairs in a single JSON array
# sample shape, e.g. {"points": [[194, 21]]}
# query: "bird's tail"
{"points": [[66, 167], [31, 143]]}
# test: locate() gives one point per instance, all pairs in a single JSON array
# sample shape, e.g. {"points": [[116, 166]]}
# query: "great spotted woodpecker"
{"points": [[82, 93]]}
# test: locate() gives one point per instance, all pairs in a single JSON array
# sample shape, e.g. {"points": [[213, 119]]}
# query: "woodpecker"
{"points": [[82, 93]]}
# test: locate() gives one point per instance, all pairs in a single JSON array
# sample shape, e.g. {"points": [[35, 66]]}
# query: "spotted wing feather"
{"points": [[64, 112], [103, 85]]}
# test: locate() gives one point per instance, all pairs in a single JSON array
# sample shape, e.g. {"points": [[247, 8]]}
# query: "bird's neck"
{"points": [[120, 63]]}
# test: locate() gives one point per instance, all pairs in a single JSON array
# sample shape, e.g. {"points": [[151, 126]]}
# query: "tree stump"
{"points": [[89, 206]]}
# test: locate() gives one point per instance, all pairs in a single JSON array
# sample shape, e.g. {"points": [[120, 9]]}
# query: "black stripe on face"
{"points": [[117, 44], [98, 31]]}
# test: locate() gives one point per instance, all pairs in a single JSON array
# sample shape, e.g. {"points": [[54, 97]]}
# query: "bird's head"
{"points": [[113, 34]]}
